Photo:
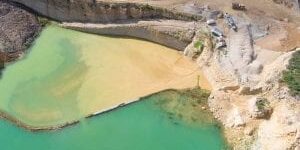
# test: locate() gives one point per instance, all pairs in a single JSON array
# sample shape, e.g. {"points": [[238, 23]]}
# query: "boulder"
{"points": [[234, 119], [249, 131]]}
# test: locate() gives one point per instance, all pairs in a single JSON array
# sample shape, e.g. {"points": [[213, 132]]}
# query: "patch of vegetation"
{"points": [[198, 44], [189, 105], [264, 108], [292, 75], [43, 21], [147, 7], [1, 64], [262, 104]]}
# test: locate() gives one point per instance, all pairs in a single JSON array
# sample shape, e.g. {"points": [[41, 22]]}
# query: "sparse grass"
{"points": [[43, 21], [262, 104], [292, 75], [199, 46]]}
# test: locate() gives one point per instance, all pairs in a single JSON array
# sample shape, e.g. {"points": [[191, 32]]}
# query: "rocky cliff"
{"points": [[169, 27], [17, 30], [172, 33], [94, 11]]}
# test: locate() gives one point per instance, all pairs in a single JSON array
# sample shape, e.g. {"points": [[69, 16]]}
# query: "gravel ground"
{"points": [[18, 27]]}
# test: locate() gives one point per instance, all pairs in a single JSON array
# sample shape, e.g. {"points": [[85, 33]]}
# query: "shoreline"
{"points": [[179, 81], [7, 117]]}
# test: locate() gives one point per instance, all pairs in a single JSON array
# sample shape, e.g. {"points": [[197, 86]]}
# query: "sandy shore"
{"points": [[103, 74], [141, 68]]}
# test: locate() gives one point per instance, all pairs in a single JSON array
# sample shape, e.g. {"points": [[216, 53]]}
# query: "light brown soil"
{"points": [[285, 39]]}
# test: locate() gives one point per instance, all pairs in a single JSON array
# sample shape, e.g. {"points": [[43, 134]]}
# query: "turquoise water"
{"points": [[43, 89], [140, 126]]}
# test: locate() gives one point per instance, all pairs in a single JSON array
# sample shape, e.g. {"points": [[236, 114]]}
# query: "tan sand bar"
{"points": [[69, 75]]}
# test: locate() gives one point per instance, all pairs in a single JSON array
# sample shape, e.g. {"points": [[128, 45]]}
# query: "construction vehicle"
{"points": [[238, 6], [230, 22], [216, 32], [221, 42]]}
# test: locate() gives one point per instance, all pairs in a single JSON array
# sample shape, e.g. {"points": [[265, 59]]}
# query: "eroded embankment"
{"points": [[172, 33], [102, 11], [168, 27]]}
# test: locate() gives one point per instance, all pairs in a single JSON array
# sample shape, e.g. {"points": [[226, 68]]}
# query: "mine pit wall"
{"points": [[2, 58], [141, 32], [101, 12]]}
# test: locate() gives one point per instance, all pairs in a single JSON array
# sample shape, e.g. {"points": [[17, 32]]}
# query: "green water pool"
{"points": [[140, 126]]}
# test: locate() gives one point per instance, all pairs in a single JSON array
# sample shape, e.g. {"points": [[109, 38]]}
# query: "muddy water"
{"points": [[67, 75]]}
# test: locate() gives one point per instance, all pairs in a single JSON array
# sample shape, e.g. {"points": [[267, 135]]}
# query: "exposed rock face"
{"points": [[234, 118], [172, 28], [17, 29], [172, 33], [94, 11], [200, 40], [240, 74], [281, 131]]}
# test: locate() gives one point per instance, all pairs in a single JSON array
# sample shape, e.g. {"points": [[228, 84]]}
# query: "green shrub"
{"points": [[262, 104], [292, 75], [198, 45], [43, 21]]}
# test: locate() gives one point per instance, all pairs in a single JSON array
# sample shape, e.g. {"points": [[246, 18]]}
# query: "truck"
{"points": [[216, 32], [238, 6]]}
